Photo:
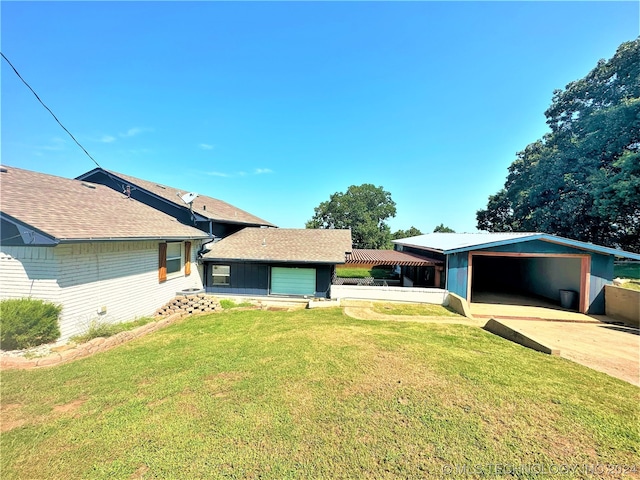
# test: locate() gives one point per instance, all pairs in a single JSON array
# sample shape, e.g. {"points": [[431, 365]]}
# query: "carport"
{"points": [[542, 276], [533, 265]]}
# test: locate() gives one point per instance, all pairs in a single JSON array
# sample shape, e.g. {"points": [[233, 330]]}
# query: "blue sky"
{"points": [[274, 106]]}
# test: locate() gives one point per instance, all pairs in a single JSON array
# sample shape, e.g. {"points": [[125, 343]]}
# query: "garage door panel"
{"points": [[293, 281]]}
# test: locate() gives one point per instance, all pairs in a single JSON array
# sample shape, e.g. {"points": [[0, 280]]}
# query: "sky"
{"points": [[274, 106]]}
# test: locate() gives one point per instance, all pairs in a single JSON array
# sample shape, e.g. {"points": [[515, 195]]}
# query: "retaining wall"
{"points": [[435, 296], [622, 304]]}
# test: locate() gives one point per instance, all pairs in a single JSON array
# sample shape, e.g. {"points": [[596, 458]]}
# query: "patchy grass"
{"points": [[227, 304], [312, 394], [631, 285], [413, 309], [99, 329]]}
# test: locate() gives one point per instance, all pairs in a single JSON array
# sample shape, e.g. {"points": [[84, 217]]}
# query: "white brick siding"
{"points": [[84, 277]]}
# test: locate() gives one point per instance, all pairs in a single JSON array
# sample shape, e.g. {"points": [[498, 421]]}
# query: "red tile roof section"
{"points": [[77, 210], [283, 245], [389, 257], [208, 207]]}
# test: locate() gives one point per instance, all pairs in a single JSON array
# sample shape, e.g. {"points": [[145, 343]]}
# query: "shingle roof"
{"points": [[389, 257], [283, 245], [68, 209], [208, 207], [449, 243]]}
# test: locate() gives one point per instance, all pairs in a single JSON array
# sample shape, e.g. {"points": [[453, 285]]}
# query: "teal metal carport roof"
{"points": [[448, 243]]}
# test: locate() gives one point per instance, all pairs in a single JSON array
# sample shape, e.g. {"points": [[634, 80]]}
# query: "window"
{"points": [[174, 257], [170, 260], [220, 275]]}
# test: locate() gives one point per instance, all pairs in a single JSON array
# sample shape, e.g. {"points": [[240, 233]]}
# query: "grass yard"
{"points": [[627, 270], [314, 394], [631, 285], [413, 309]]}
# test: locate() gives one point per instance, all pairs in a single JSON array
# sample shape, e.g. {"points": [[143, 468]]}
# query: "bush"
{"points": [[376, 272], [28, 322]]}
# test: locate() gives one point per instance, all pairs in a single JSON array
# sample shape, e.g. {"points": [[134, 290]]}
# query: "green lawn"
{"points": [[312, 394], [412, 309], [627, 270]]}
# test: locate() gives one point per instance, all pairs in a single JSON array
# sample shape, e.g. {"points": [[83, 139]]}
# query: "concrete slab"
{"points": [[594, 341], [608, 348]]}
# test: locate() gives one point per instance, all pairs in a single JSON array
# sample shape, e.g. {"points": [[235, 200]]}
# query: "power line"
{"points": [[49, 110]]}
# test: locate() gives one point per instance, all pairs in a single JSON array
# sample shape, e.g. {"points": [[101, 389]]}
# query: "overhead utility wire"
{"points": [[49, 110]]}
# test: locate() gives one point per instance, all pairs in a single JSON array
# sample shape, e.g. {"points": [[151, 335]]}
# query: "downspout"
{"points": [[200, 254]]}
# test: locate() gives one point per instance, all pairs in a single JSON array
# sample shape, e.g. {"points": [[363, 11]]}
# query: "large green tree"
{"points": [[582, 179], [412, 232], [442, 228], [364, 209]]}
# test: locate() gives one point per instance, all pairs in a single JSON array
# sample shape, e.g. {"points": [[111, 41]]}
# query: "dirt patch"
{"points": [[11, 417], [69, 407], [140, 472]]}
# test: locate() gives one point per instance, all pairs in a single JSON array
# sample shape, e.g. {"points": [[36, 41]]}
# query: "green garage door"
{"points": [[293, 281]]}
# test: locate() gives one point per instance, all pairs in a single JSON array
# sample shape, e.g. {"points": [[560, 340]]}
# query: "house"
{"points": [[288, 261], [97, 251], [275, 261], [536, 264], [215, 217]]}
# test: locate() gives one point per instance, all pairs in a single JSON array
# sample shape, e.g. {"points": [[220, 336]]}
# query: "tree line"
{"points": [[364, 209], [582, 179]]}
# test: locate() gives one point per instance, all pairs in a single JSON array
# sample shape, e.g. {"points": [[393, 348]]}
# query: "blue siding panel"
{"points": [[458, 267], [601, 275]]}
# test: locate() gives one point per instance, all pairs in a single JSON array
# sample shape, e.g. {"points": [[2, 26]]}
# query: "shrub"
{"points": [[28, 322]]}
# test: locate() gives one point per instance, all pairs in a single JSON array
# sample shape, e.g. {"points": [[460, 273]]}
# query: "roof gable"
{"points": [[207, 208], [449, 243], [72, 210], [283, 245]]}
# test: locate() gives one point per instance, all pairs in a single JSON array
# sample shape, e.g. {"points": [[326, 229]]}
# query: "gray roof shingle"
{"points": [[78, 210], [283, 245], [208, 207]]}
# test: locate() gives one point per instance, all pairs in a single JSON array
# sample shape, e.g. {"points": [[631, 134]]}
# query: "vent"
{"points": [[160, 186], [88, 185], [3, 170]]}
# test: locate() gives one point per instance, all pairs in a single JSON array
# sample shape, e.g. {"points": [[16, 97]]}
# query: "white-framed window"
{"points": [[174, 257], [220, 275]]}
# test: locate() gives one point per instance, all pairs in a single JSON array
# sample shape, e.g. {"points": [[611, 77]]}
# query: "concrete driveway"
{"points": [[593, 341]]}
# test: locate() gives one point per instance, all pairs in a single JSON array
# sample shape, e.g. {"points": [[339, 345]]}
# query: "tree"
{"points": [[443, 229], [412, 232], [582, 179], [364, 209]]}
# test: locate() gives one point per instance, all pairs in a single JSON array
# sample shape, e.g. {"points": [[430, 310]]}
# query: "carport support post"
{"points": [[585, 283]]}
